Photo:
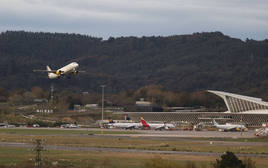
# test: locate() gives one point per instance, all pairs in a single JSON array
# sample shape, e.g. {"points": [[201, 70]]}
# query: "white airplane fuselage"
{"points": [[155, 126], [124, 125], [161, 126], [70, 68], [228, 127]]}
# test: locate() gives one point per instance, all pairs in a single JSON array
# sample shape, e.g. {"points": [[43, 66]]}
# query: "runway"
{"points": [[164, 133], [192, 134], [181, 133]]}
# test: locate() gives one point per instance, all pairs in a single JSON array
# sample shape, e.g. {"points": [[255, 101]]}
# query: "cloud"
{"points": [[106, 18]]}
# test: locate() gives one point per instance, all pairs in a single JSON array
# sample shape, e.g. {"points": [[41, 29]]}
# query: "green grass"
{"points": [[16, 156], [78, 138], [38, 131], [83, 138], [10, 156], [256, 139], [133, 143]]}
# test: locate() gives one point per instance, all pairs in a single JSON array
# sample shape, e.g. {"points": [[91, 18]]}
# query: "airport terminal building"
{"points": [[242, 104], [248, 110]]}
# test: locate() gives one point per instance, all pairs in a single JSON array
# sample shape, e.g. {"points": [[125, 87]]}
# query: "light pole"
{"points": [[102, 104]]}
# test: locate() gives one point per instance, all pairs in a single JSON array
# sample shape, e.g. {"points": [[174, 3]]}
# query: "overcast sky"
{"points": [[104, 18]]}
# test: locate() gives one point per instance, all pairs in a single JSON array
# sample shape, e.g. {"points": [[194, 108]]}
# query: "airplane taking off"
{"points": [[157, 126], [229, 127], [68, 69]]}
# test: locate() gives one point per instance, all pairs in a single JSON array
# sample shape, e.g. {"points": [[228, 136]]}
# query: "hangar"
{"points": [[249, 110]]}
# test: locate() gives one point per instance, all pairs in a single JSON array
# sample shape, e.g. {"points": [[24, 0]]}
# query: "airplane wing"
{"points": [[42, 70], [81, 71], [160, 127], [134, 126], [130, 127], [231, 128]]}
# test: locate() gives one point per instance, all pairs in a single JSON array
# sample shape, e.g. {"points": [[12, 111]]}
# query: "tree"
{"points": [[3, 95], [228, 160], [38, 92], [16, 99], [73, 99]]}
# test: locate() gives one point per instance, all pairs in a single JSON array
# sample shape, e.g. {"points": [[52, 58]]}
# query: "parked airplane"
{"points": [[229, 127], [66, 70], [128, 125], [69, 126], [157, 126], [262, 131]]}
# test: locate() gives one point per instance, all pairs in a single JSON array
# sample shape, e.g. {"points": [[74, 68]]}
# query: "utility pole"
{"points": [[102, 104], [38, 149], [241, 120], [51, 94]]}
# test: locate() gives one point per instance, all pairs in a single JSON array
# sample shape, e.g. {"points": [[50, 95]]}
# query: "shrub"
{"points": [[228, 160]]}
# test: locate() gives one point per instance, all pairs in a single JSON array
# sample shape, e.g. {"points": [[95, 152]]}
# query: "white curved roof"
{"points": [[242, 104]]}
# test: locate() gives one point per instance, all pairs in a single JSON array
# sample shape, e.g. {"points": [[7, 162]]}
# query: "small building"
{"points": [[40, 100], [141, 102], [143, 106], [91, 106]]}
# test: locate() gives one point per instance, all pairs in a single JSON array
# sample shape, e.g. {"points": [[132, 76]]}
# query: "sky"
{"points": [[115, 18]]}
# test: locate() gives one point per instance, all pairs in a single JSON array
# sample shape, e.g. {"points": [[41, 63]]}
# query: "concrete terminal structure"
{"points": [[242, 104], [249, 110]]}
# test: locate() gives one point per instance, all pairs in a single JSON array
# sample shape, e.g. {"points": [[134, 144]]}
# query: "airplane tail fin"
{"points": [[48, 68], [50, 74], [144, 123], [214, 122]]}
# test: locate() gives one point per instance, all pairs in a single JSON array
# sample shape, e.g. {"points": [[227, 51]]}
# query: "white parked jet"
{"points": [[68, 69], [262, 131], [157, 126], [124, 125], [229, 127]]}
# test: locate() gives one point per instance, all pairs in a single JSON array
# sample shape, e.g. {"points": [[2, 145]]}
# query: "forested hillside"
{"points": [[179, 63]]}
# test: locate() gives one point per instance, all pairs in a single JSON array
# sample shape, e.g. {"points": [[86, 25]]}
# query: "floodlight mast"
{"points": [[102, 103]]}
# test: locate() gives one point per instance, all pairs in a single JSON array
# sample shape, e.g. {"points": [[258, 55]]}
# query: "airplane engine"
{"points": [[59, 72]]}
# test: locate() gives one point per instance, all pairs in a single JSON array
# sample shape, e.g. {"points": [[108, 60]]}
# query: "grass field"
{"points": [[84, 138], [38, 131], [14, 156], [134, 143], [256, 139], [81, 139]]}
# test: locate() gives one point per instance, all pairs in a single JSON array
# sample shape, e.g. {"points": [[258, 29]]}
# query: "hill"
{"points": [[179, 63]]}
